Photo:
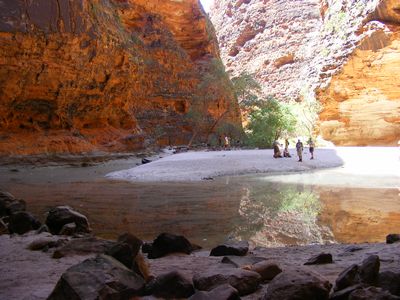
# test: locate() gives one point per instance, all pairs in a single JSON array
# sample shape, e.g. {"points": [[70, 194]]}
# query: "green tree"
{"points": [[247, 90], [268, 122]]}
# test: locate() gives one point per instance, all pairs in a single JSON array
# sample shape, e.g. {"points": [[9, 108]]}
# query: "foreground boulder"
{"points": [[171, 285], [369, 270], [167, 243], [126, 249], [245, 282], [372, 293], [298, 284], [320, 259], [222, 292], [101, 277], [231, 248], [22, 222], [5, 200], [348, 277], [9, 204], [242, 261], [3, 227], [267, 270], [63, 215], [390, 281], [392, 238], [83, 246]]}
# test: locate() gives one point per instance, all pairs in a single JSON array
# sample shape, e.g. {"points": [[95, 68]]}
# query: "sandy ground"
{"points": [[196, 166], [32, 275], [29, 275]]}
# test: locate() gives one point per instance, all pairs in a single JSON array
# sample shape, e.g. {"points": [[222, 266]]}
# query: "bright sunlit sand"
{"points": [[365, 162]]}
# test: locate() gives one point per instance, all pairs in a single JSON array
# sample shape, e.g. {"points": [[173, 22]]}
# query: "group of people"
{"points": [[299, 149]]}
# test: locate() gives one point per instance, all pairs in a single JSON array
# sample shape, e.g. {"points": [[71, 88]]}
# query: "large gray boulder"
{"points": [[101, 277], [62, 215], [299, 284], [245, 282]]}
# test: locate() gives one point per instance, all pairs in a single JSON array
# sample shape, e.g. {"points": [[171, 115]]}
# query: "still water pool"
{"points": [[266, 210]]}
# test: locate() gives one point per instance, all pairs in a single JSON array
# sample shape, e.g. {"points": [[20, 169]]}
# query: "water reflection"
{"points": [[248, 208], [277, 214]]}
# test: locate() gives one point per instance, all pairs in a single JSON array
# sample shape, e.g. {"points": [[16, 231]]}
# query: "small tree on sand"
{"points": [[269, 121]]}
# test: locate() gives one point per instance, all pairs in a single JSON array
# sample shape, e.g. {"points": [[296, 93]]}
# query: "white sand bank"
{"points": [[195, 166]]}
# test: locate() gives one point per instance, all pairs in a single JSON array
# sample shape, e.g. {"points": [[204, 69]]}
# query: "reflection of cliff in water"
{"points": [[277, 215], [360, 215]]}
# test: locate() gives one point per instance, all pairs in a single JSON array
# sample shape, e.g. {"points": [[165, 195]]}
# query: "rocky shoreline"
{"points": [[61, 259]]}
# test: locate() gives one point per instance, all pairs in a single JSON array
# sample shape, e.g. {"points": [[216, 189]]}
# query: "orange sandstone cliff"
{"points": [[109, 75], [343, 53]]}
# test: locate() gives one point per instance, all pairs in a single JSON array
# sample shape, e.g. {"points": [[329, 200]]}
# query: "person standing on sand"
{"points": [[312, 146], [299, 148], [286, 150]]}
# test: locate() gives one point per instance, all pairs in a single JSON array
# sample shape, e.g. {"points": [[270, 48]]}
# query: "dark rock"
{"points": [[123, 253], [345, 293], [171, 285], [298, 284], [353, 248], [3, 228], [83, 246], [62, 215], [22, 222], [246, 282], [98, 278], [146, 247], [16, 206], [267, 270], [369, 270], [145, 161], [372, 293], [242, 261], [392, 238], [347, 278], [320, 259], [68, 229], [222, 292], [42, 229], [390, 281], [167, 243], [230, 248], [132, 241], [5, 200]]}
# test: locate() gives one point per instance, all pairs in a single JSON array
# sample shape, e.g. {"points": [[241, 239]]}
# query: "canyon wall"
{"points": [[109, 75], [342, 53]]}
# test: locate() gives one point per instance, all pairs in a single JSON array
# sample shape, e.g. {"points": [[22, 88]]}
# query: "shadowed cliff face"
{"points": [[109, 75], [343, 52]]}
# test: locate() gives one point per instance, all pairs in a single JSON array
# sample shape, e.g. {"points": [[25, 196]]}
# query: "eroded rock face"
{"points": [[361, 106], [107, 75], [344, 53]]}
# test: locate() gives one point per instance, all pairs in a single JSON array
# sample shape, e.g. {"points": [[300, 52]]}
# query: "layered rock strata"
{"points": [[343, 53], [110, 75]]}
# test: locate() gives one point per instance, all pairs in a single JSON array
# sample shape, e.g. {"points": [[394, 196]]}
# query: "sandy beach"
{"points": [[205, 165]]}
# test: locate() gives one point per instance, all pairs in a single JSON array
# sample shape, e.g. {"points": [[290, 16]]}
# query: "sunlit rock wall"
{"points": [[361, 106], [109, 75], [344, 53]]}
